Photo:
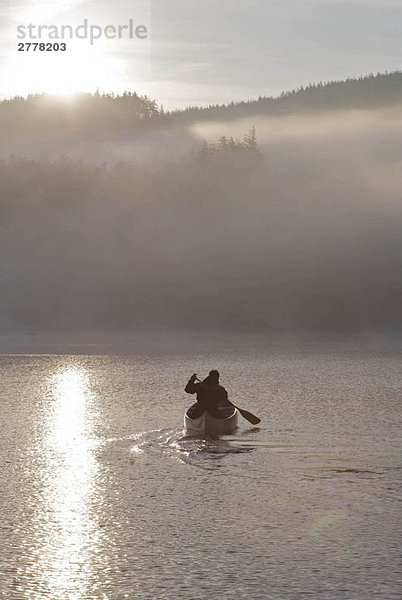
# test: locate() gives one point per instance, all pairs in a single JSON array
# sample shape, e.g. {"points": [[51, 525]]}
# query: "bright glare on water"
{"points": [[103, 496], [72, 533]]}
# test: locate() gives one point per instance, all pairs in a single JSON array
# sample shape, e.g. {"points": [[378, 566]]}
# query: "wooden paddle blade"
{"points": [[249, 416]]}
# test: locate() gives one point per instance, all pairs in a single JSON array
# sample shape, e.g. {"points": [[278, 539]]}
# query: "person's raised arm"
{"points": [[191, 387]]}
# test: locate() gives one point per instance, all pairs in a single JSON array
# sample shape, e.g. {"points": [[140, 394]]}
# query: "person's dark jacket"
{"points": [[209, 395]]}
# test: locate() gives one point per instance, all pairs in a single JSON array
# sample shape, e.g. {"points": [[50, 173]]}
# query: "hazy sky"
{"points": [[203, 51]]}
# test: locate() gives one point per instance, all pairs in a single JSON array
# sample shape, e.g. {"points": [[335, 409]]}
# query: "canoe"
{"points": [[206, 424]]}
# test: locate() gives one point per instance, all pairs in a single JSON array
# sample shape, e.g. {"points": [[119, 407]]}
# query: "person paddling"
{"points": [[210, 394]]}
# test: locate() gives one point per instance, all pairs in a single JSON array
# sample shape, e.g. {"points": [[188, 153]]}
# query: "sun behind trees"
{"points": [[82, 117]]}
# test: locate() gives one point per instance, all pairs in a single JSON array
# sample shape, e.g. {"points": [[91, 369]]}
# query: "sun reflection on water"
{"points": [[71, 465]]}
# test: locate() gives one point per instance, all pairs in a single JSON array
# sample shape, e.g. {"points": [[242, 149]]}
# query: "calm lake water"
{"points": [[102, 496]]}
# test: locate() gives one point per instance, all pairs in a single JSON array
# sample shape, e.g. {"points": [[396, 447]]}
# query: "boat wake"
{"points": [[310, 462], [203, 452]]}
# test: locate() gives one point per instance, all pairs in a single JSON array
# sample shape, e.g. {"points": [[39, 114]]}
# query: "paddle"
{"points": [[244, 413]]}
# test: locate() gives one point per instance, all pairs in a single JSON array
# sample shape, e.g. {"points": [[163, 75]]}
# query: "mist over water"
{"points": [[303, 235]]}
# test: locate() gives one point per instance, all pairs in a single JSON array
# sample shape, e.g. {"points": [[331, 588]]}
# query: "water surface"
{"points": [[103, 496]]}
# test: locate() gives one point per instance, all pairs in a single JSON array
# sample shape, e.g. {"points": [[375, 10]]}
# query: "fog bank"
{"points": [[304, 235]]}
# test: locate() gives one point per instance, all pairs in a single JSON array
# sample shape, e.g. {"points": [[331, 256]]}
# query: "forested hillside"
{"points": [[106, 117], [372, 91], [292, 225]]}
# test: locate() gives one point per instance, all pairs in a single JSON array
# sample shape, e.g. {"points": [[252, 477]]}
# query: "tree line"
{"points": [[107, 117]]}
